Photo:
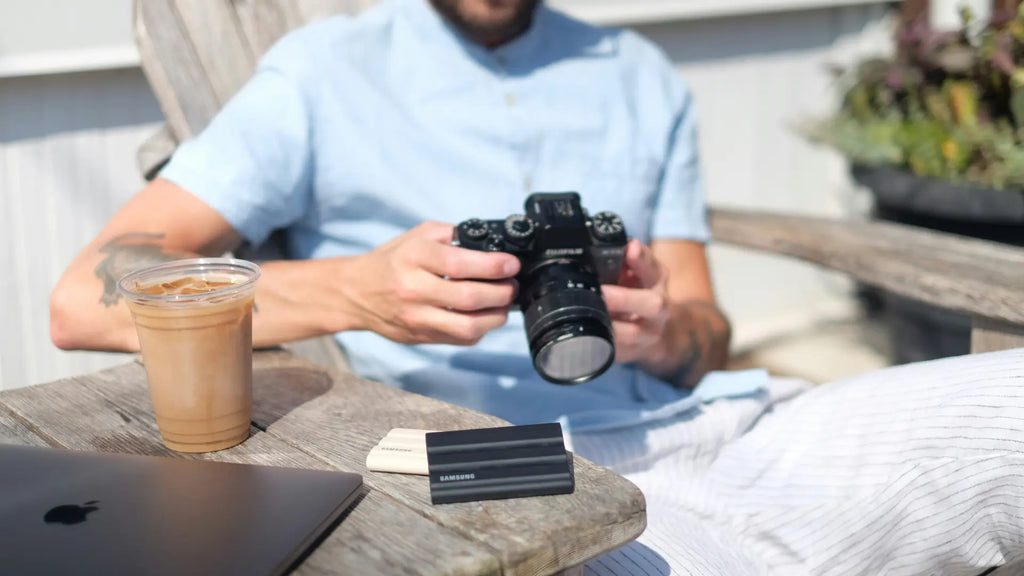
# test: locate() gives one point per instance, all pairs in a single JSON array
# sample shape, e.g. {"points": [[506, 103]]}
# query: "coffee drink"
{"points": [[194, 321]]}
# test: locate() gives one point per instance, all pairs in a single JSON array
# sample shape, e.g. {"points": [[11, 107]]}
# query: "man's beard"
{"points": [[489, 31]]}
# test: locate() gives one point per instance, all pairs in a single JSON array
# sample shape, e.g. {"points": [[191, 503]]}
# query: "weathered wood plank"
{"points": [[989, 335], [14, 431], [963, 274], [323, 351], [154, 153], [109, 411], [215, 34], [173, 68], [309, 10], [264, 22], [530, 536], [177, 124]]}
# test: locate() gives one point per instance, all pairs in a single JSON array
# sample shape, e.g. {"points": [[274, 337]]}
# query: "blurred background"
{"points": [[75, 106]]}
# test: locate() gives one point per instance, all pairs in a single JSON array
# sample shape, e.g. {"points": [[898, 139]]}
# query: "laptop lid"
{"points": [[64, 512]]}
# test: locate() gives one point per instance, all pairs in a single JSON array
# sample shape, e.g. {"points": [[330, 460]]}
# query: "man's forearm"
{"points": [[695, 342], [86, 310], [299, 299], [294, 299]]}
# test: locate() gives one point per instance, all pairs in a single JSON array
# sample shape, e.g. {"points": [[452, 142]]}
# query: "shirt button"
{"points": [[510, 100]]}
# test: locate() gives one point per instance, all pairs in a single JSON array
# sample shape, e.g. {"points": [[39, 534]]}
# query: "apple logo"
{"points": [[70, 513]]}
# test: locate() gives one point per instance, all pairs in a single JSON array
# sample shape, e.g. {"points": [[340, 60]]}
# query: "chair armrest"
{"points": [[984, 279], [155, 152]]}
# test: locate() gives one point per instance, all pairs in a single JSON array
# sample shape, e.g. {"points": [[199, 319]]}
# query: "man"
{"points": [[358, 136]]}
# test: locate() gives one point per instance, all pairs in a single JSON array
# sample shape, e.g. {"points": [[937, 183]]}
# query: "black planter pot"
{"points": [[919, 331]]}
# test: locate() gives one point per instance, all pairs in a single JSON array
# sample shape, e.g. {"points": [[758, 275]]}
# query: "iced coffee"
{"points": [[194, 321]]}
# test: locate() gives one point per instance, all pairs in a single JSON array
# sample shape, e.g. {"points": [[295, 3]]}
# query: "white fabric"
{"points": [[916, 469]]}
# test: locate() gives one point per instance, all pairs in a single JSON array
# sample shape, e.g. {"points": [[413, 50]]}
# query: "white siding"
{"points": [[67, 145], [67, 162]]}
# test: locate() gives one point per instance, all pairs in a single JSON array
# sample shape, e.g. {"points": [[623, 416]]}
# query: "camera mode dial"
{"points": [[475, 229], [519, 229], [607, 226]]}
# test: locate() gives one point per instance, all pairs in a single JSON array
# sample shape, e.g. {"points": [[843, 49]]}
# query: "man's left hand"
{"points": [[639, 306]]}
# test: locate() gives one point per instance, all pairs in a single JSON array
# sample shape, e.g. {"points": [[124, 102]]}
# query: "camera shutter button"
{"points": [[519, 229]]}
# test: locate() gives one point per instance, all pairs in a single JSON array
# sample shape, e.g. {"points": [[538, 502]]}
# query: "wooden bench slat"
{"points": [[178, 79], [14, 431], [959, 273], [265, 22], [309, 10], [216, 36]]}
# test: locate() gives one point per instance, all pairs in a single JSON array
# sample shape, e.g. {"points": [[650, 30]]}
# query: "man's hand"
{"points": [[418, 288], [638, 305], [667, 323]]}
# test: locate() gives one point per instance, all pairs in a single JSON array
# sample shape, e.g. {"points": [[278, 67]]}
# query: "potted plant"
{"points": [[936, 133]]}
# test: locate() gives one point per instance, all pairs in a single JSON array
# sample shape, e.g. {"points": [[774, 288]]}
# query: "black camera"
{"points": [[565, 256]]}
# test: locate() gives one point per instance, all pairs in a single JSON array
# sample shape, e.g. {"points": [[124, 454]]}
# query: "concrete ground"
{"points": [[826, 352]]}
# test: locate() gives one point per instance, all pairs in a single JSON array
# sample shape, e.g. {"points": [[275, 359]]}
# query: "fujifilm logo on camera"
{"points": [[563, 252], [456, 477]]}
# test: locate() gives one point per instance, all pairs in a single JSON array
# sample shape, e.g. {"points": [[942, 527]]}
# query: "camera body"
{"points": [[555, 227], [565, 255]]}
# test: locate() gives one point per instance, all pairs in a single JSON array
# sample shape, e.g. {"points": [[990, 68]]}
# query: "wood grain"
{"points": [[155, 152], [323, 351], [265, 22], [177, 123], [173, 68], [963, 274], [15, 431], [309, 10], [109, 411], [529, 535], [215, 33], [989, 335]]}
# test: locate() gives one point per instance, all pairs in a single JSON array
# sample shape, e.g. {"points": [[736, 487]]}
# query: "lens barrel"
{"points": [[567, 322]]}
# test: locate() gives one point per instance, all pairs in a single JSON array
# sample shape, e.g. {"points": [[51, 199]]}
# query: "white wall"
{"points": [[43, 36], [67, 145], [67, 162]]}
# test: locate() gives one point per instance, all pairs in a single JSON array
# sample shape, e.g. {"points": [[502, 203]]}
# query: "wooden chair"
{"points": [[198, 53]]}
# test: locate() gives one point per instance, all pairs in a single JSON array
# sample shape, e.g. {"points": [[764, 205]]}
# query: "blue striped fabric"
{"points": [[916, 469]]}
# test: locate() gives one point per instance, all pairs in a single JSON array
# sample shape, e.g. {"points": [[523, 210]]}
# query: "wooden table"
{"points": [[307, 417]]}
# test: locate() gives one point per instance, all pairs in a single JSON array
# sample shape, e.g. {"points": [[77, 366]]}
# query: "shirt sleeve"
{"points": [[679, 209], [252, 164]]}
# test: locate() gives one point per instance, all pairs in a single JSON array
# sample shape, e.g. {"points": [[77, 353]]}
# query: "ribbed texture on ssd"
{"points": [[493, 463]]}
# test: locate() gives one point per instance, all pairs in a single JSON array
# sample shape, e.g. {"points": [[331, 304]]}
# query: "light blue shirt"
{"points": [[352, 131]]}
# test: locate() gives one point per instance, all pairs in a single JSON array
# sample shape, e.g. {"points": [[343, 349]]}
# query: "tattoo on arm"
{"points": [[125, 253]]}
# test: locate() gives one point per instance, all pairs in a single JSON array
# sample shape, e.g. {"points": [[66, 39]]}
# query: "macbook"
{"points": [[65, 512]]}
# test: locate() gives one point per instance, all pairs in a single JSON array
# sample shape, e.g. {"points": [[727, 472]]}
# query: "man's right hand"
{"points": [[418, 288]]}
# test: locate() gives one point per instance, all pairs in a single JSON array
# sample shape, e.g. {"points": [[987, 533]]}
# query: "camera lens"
{"points": [[567, 323]]}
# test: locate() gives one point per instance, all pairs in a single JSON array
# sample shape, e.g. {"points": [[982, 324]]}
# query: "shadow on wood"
{"points": [[277, 390]]}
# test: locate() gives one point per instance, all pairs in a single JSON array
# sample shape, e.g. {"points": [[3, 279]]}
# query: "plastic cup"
{"points": [[194, 321]]}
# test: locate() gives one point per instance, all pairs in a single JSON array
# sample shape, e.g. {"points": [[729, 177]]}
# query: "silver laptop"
{"points": [[64, 512]]}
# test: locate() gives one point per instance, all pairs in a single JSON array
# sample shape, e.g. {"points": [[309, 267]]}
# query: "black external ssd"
{"points": [[494, 463]]}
